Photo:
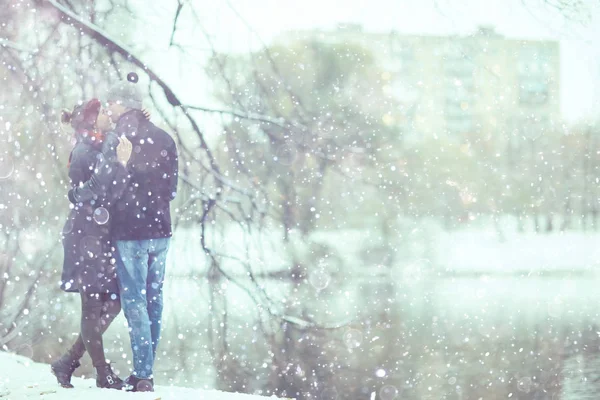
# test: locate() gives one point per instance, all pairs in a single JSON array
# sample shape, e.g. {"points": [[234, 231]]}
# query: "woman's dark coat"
{"points": [[97, 179]]}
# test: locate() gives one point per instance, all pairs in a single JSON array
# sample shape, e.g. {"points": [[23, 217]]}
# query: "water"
{"points": [[408, 333], [442, 338], [470, 338]]}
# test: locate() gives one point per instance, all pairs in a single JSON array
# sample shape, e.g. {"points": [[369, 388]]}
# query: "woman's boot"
{"points": [[63, 369], [107, 379]]}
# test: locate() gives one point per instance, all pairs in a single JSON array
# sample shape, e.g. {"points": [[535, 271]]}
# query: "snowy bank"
{"points": [[21, 378], [481, 251]]}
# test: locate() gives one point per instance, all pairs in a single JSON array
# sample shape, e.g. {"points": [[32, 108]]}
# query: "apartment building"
{"points": [[480, 85]]}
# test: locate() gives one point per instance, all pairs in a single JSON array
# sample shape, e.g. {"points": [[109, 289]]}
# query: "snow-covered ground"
{"points": [[21, 378], [482, 251], [473, 249]]}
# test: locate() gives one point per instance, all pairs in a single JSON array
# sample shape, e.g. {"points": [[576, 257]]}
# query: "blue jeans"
{"points": [[141, 272]]}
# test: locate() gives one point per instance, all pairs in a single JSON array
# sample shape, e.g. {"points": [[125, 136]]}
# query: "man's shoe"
{"points": [[135, 384], [63, 369], [107, 379]]}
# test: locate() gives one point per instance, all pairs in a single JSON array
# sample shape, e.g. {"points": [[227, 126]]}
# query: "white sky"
{"points": [[580, 58]]}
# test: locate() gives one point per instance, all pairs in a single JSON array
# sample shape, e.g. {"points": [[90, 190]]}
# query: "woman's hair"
{"points": [[83, 116], [66, 116]]}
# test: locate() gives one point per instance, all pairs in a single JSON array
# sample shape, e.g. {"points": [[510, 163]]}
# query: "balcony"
{"points": [[533, 91]]}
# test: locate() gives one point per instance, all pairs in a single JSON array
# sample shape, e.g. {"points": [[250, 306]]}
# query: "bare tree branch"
{"points": [[112, 45], [177, 13], [249, 117]]}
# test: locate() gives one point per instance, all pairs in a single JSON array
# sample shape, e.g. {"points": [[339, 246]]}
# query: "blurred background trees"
{"points": [[304, 192]]}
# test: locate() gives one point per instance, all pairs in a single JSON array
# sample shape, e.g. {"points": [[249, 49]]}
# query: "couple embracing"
{"points": [[123, 172]]}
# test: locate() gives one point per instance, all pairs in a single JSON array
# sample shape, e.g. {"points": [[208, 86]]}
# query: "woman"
{"points": [[98, 175]]}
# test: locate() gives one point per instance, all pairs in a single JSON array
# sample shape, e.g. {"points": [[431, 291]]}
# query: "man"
{"points": [[142, 225]]}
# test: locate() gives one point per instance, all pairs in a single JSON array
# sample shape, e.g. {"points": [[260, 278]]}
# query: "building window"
{"points": [[533, 91], [533, 71], [459, 88]]}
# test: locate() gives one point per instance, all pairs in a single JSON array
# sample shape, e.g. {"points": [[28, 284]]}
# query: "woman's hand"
{"points": [[124, 150]]}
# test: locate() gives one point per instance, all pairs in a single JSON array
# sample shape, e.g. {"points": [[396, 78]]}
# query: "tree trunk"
{"points": [[499, 232], [520, 227], [566, 224], [549, 223]]}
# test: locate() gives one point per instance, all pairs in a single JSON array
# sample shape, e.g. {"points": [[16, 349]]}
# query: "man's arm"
{"points": [[109, 177], [173, 171]]}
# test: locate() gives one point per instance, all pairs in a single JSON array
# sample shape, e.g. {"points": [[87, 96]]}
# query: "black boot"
{"points": [[63, 369], [107, 379], [135, 384]]}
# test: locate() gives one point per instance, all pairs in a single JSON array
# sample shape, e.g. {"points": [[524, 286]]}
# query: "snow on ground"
{"points": [[480, 251], [21, 378], [474, 249]]}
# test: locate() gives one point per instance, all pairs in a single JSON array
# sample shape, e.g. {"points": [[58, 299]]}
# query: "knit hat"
{"points": [[126, 92]]}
